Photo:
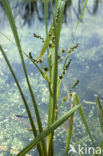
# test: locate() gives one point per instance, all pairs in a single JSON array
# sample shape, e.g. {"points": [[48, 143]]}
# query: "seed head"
{"points": [[53, 38], [63, 50], [64, 71], [56, 19], [34, 60], [46, 68], [60, 77], [75, 84], [30, 55], [68, 64], [72, 48], [50, 45], [35, 35], [40, 60]]}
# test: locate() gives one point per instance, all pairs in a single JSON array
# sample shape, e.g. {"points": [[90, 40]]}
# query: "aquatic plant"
{"points": [[44, 139], [100, 116]]}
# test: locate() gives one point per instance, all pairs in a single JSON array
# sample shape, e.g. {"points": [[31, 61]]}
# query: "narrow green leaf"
{"points": [[83, 117], [46, 14], [50, 129], [7, 38], [46, 43], [69, 130], [82, 12], [57, 27], [100, 111], [57, 22]]}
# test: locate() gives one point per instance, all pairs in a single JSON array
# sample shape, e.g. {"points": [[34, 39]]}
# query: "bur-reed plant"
{"points": [[44, 139]]}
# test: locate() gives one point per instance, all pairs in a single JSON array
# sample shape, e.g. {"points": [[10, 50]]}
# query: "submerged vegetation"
{"points": [[44, 136]]}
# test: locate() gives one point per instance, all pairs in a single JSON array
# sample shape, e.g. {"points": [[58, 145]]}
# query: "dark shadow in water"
{"points": [[32, 8], [95, 8], [28, 10]]}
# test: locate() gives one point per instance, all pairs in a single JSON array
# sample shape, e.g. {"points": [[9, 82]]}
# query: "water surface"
{"points": [[87, 66]]}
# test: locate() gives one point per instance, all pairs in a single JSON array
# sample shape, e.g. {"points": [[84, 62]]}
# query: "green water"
{"points": [[87, 66]]}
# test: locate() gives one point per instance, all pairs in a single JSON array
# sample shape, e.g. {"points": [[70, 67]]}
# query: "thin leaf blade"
{"points": [[47, 131]]}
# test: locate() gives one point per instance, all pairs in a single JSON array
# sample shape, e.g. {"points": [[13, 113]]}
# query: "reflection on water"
{"points": [[27, 10], [31, 8], [86, 65]]}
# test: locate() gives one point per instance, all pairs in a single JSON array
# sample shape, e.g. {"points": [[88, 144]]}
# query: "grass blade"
{"points": [[52, 116], [7, 38], [83, 118], [46, 43], [46, 15], [50, 129], [100, 111], [81, 15], [57, 28], [69, 130]]}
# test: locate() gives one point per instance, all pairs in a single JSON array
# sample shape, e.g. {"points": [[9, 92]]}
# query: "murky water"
{"points": [[87, 66]]}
